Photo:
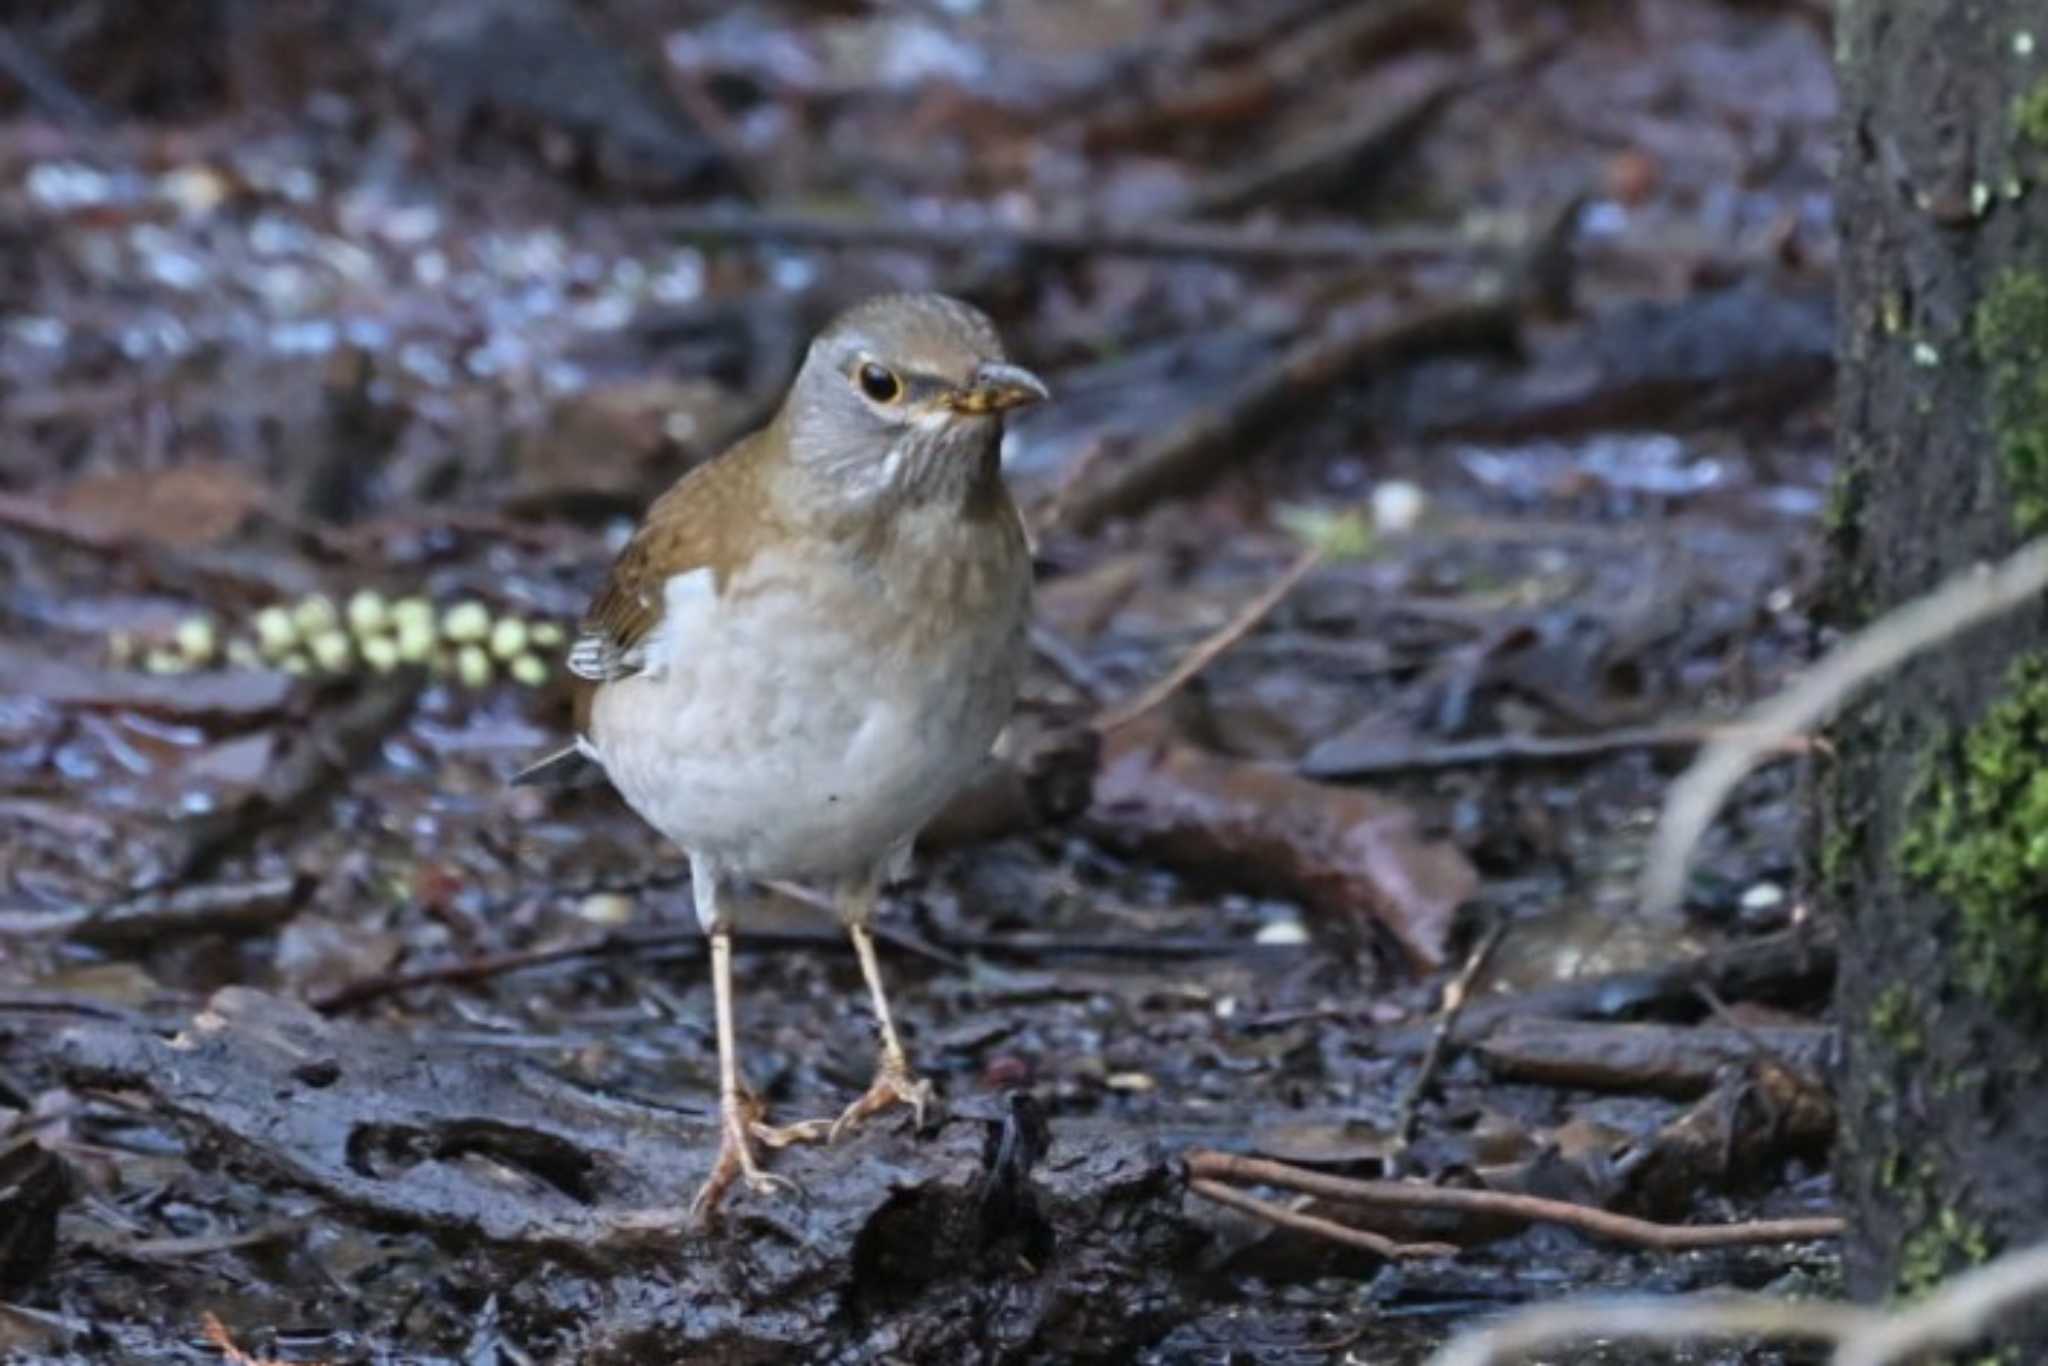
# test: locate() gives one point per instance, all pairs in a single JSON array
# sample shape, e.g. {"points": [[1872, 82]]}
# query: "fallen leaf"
{"points": [[1352, 855]]}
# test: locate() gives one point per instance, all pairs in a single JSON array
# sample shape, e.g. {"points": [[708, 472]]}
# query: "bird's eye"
{"points": [[879, 383]]}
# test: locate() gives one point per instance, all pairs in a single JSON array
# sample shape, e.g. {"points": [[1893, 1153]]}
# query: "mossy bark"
{"points": [[1943, 443]]}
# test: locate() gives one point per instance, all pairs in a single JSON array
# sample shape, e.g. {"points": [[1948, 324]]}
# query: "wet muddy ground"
{"points": [[342, 343]]}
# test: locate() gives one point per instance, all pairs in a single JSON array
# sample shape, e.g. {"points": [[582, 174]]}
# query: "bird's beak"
{"points": [[999, 387]]}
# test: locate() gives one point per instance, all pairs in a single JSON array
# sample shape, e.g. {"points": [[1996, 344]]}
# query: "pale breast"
{"points": [[817, 711]]}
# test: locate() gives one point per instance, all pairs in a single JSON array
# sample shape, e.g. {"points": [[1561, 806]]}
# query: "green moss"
{"points": [[2010, 329], [1894, 1019], [2030, 114], [1979, 837], [1945, 1244]]}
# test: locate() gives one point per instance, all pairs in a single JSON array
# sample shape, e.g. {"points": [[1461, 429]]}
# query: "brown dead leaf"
{"points": [[1353, 855], [185, 505]]}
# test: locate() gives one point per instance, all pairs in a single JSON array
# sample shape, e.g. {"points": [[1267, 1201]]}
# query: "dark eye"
{"points": [[879, 383]]}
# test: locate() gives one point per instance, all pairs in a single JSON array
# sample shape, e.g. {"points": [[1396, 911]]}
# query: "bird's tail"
{"points": [[568, 766]]}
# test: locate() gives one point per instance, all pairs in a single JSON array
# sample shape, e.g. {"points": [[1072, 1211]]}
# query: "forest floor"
{"points": [[318, 1039]]}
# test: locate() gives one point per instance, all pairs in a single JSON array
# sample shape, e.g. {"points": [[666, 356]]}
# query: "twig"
{"points": [[1960, 1311], [1167, 240], [1455, 996], [1183, 457], [690, 941], [1622, 1228], [1329, 1229], [1651, 1320], [1965, 600], [1499, 749], [1237, 628], [36, 76], [217, 1333]]}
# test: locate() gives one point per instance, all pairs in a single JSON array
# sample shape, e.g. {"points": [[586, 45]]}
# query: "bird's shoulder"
{"points": [[713, 520]]}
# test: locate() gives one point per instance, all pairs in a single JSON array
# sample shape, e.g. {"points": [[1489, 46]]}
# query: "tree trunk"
{"points": [[1933, 838]]}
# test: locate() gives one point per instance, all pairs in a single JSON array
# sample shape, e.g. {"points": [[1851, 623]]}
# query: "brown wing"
{"points": [[713, 518]]}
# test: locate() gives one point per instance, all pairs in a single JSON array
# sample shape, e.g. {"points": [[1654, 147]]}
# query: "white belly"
{"points": [[770, 738]]}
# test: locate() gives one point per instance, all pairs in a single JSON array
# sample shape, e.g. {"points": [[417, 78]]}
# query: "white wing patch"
{"points": [[686, 600]]}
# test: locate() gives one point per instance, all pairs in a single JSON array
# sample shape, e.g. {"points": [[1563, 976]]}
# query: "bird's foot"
{"points": [[740, 1127], [893, 1085]]}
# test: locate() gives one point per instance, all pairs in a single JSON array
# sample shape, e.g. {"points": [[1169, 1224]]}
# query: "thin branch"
{"points": [[1621, 1228], [1329, 1229], [1960, 1311], [1503, 749], [1167, 240], [1964, 601], [1455, 996], [1651, 1320], [1203, 655]]}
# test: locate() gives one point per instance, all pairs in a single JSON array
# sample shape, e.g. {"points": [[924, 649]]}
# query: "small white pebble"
{"points": [[1282, 932], [466, 621], [196, 639], [605, 908], [1130, 1081], [1764, 896], [276, 632], [1226, 1007], [243, 654], [2023, 43], [508, 637], [415, 640], [547, 635], [380, 653], [1925, 356], [1397, 506], [162, 661], [332, 650], [473, 667], [315, 614], [367, 612], [528, 671]]}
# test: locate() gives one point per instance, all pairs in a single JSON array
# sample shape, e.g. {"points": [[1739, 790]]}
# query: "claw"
{"points": [[893, 1085], [739, 1128]]}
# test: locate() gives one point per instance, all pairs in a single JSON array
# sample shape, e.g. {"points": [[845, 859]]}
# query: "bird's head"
{"points": [[902, 397]]}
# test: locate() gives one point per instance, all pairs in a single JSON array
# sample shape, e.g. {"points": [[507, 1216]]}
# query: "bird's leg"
{"points": [[739, 1111], [894, 1083]]}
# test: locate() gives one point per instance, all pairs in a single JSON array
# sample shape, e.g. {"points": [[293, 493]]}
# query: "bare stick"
{"points": [[1455, 996], [1965, 600], [1329, 1229], [1622, 1228], [1652, 1320], [1203, 655], [1961, 1310], [1505, 749], [1297, 247]]}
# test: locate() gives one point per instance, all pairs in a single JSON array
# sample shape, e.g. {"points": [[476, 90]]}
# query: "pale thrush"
{"points": [[810, 644]]}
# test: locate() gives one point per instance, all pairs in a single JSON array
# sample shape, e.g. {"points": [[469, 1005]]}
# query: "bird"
{"points": [[808, 645]]}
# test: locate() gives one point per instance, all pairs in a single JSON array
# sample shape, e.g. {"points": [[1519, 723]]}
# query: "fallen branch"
{"points": [[1203, 655], [1163, 240], [1973, 596], [1282, 1217], [1205, 1164], [1455, 996], [1959, 1312], [1187, 454], [1334, 762]]}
